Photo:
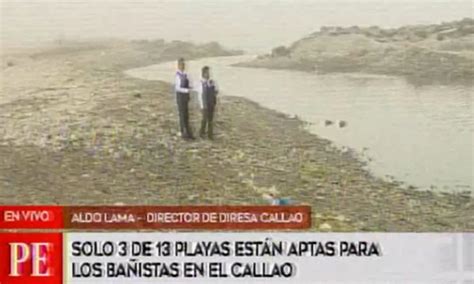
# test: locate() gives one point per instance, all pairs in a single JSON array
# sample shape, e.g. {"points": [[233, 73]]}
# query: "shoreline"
{"points": [[83, 132], [422, 54]]}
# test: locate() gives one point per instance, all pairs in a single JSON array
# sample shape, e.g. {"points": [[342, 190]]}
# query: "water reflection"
{"points": [[421, 135]]}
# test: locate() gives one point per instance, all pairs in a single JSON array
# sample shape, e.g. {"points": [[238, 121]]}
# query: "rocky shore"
{"points": [[424, 54], [76, 130]]}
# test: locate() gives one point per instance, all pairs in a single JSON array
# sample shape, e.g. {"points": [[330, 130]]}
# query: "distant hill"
{"points": [[428, 53]]}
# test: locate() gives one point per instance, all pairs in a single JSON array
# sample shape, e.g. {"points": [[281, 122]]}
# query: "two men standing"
{"points": [[207, 92]]}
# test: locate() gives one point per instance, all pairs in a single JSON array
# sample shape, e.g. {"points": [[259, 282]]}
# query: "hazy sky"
{"points": [[251, 25]]}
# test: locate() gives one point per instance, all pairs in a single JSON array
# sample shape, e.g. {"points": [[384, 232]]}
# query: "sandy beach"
{"points": [[76, 130]]}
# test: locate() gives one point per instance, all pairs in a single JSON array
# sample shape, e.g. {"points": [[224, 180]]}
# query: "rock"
{"points": [[340, 218], [328, 122], [341, 123], [325, 227], [272, 190], [193, 197], [92, 151]]}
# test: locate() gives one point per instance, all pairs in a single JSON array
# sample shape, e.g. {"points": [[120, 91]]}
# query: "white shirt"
{"points": [[177, 83], [199, 90]]}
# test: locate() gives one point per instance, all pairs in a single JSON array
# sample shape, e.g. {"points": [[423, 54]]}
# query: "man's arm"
{"points": [[199, 91], [216, 87]]}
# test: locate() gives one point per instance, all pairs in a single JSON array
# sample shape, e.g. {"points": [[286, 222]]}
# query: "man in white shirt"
{"points": [[183, 89], [207, 94]]}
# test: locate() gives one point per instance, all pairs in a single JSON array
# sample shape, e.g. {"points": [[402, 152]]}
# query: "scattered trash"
{"points": [[273, 200]]}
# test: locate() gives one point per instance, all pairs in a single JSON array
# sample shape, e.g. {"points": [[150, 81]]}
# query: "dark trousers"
{"points": [[182, 100], [207, 117]]}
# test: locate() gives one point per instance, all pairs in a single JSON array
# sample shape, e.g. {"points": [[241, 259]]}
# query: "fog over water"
{"points": [[255, 26]]}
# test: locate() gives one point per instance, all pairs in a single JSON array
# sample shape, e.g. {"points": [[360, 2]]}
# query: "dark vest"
{"points": [[209, 93], [183, 79]]}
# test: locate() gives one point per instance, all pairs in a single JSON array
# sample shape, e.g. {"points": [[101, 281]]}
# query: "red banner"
{"points": [[31, 217], [189, 217], [156, 217]]}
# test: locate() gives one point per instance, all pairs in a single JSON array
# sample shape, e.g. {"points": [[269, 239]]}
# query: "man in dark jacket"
{"points": [[207, 92], [183, 89]]}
